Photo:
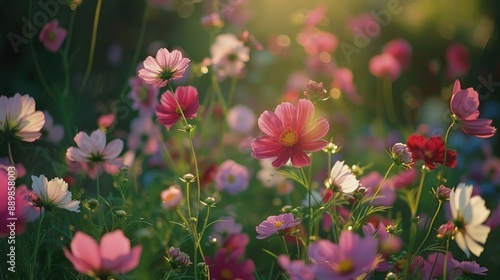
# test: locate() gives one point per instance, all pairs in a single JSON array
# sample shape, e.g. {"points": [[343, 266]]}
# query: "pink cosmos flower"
{"points": [[94, 151], [289, 133], [401, 50], [144, 135], [171, 197], [232, 177], [228, 56], [316, 41], [385, 66], [235, 244], [464, 106], [296, 269], [168, 111], [165, 67], [343, 80], [472, 268], [112, 256], [143, 95], [352, 257], [241, 119], [315, 16], [458, 61], [281, 224], [52, 36], [55, 132], [106, 121], [358, 24], [225, 266], [18, 118]]}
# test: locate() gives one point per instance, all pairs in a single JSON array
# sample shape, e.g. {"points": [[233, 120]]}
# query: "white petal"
{"points": [[459, 238]]}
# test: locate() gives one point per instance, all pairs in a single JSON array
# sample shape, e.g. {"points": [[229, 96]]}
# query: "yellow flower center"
{"points": [[226, 274], [278, 224], [289, 137], [345, 266], [230, 179]]}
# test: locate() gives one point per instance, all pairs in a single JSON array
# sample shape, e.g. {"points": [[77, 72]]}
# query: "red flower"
{"points": [[225, 267], [431, 151]]}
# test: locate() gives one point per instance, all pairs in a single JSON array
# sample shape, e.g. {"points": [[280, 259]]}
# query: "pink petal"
{"points": [[287, 114], [315, 130], [98, 140], [76, 154], [266, 147], [79, 264], [131, 261], [270, 124], [83, 141], [114, 246], [282, 158], [305, 111], [85, 248], [113, 149], [313, 146], [300, 158]]}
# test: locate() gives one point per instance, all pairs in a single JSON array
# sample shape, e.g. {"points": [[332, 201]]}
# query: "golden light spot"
{"points": [[283, 40], [226, 274], [289, 137], [335, 93], [204, 70], [278, 224], [325, 57], [345, 266]]}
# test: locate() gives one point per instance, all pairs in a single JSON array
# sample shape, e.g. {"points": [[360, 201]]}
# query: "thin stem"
{"points": [[286, 247], [445, 270], [232, 90], [92, 43], [37, 245], [188, 199], [382, 182], [11, 159], [65, 53], [440, 203], [309, 191], [218, 91], [389, 99], [441, 174], [100, 210]]}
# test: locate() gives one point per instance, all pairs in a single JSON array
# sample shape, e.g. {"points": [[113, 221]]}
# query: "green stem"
{"points": [[286, 247], [11, 159], [389, 100], [37, 245], [92, 43], [445, 270], [100, 209], [232, 90], [188, 199], [218, 91], [441, 174], [440, 203], [309, 192]]}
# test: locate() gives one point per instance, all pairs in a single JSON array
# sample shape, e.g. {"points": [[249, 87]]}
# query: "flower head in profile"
{"points": [[232, 177], [472, 268], [290, 132], [177, 258], [113, 255], [53, 194], [431, 151], [281, 224], [352, 257], [401, 155], [464, 106], [165, 67], [18, 118], [171, 197], [469, 213], [168, 112], [342, 179], [52, 36], [229, 56]]}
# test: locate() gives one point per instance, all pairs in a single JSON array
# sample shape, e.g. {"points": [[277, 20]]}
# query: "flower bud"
{"points": [[401, 155], [446, 231], [443, 193], [316, 91], [178, 258]]}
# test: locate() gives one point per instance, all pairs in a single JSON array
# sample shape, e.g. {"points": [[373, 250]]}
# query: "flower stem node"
{"points": [[193, 220], [188, 178], [209, 201], [188, 128], [286, 209]]}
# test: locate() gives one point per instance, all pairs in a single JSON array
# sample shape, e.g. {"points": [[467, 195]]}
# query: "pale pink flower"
{"points": [[241, 119], [282, 224], [352, 257], [171, 197], [105, 121], [316, 41], [289, 133], [92, 150], [53, 194], [55, 132], [212, 20], [165, 67], [295, 269], [52, 36], [469, 214], [458, 61], [341, 178], [315, 16], [464, 104], [228, 56], [385, 66], [343, 80], [232, 177], [168, 113], [18, 118], [144, 135], [112, 256], [143, 95], [401, 50], [358, 24]]}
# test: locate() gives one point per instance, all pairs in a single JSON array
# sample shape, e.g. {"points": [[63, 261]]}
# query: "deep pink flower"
{"points": [[343, 80], [52, 36], [296, 269], [472, 268], [226, 267], [112, 256], [385, 66], [232, 177], [289, 133], [280, 224], [165, 67], [235, 244], [401, 50], [105, 121], [464, 104], [168, 111], [352, 257], [458, 61]]}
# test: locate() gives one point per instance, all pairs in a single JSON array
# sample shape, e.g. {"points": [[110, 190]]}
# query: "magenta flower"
{"points": [[458, 61], [93, 150], [289, 133], [235, 244], [165, 67], [464, 106], [385, 66], [472, 268], [232, 177], [168, 111], [401, 50], [112, 256], [52, 36], [296, 269], [434, 266], [228, 267], [281, 224], [352, 257]]}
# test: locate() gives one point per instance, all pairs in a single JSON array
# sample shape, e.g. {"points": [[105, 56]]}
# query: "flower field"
{"points": [[249, 139]]}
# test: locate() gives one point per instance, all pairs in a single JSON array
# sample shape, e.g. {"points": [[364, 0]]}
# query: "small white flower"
{"points": [[54, 194], [342, 179], [469, 214], [19, 119]]}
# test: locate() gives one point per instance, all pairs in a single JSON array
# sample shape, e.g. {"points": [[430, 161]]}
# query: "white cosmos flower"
{"points": [[54, 194], [18, 118], [469, 214], [342, 179]]}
